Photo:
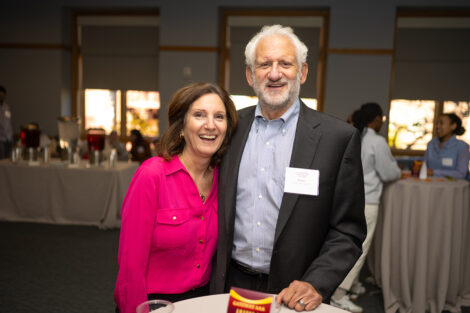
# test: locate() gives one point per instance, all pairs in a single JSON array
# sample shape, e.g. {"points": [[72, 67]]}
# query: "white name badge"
{"points": [[302, 181], [447, 162]]}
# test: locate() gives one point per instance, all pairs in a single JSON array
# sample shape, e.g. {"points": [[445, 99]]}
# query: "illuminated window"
{"points": [[103, 109], [142, 112], [462, 110], [246, 101], [411, 124]]}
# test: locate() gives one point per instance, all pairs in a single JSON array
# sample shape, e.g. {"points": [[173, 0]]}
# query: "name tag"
{"points": [[447, 161], [302, 181]]}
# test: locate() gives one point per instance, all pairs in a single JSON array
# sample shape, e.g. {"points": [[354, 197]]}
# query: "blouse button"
{"points": [[202, 217], [201, 241], [198, 266], [174, 218]]}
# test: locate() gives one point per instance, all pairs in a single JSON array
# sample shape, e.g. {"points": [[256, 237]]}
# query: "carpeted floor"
{"points": [[72, 269]]}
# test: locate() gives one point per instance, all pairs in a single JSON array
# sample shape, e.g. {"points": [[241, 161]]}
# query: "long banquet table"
{"points": [[218, 304], [56, 193], [421, 250]]}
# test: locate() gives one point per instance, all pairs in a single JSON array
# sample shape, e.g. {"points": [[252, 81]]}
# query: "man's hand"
{"points": [[299, 296]]}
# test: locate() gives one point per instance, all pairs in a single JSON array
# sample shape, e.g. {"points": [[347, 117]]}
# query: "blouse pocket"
{"points": [[172, 228]]}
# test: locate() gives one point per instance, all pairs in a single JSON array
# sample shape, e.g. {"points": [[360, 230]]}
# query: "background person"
{"points": [[379, 166], [6, 131], [446, 156], [169, 216], [298, 245], [140, 150]]}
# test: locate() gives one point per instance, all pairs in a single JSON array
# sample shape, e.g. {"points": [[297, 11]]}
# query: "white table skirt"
{"points": [[421, 250], [218, 304], [55, 193]]}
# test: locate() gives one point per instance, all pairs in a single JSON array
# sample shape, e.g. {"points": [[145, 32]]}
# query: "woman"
{"points": [[140, 150], [379, 167], [169, 216], [446, 156]]}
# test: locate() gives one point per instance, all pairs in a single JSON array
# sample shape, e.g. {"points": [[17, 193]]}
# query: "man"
{"points": [[379, 166], [291, 193], [6, 131]]}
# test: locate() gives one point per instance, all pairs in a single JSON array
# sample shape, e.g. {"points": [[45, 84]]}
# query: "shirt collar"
{"points": [[290, 114], [174, 165]]}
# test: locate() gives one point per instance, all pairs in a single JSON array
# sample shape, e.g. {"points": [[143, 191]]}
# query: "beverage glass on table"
{"points": [[157, 306]]}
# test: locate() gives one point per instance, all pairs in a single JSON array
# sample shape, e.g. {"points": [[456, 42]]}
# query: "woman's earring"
{"points": [[181, 135]]}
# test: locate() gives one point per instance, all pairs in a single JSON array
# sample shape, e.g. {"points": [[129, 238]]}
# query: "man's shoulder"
{"points": [[326, 120], [246, 112]]}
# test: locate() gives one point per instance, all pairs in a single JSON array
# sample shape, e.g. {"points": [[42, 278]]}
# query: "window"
{"points": [[103, 109], [431, 70], [410, 124], [142, 112], [116, 71]]}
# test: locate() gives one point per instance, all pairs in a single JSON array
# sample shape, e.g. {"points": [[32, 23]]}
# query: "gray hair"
{"points": [[300, 48]]}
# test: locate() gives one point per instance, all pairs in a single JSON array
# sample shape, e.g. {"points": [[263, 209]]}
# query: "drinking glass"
{"points": [[155, 306]]}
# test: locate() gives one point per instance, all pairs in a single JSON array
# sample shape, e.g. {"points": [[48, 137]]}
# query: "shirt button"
{"points": [[174, 218], [267, 143], [262, 169], [283, 131], [198, 266], [259, 224], [257, 249], [260, 197]]}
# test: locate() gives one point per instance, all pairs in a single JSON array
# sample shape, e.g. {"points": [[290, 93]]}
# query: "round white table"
{"points": [[421, 250], [218, 304]]}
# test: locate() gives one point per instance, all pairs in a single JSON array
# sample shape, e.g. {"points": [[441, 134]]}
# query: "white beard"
{"points": [[277, 102]]}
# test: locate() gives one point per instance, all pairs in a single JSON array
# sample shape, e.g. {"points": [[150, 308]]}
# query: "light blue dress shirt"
{"points": [[260, 186], [451, 160]]}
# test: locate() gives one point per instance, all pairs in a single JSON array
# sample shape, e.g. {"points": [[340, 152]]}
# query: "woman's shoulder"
{"points": [[153, 166]]}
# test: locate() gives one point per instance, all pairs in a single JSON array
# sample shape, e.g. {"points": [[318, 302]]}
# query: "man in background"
{"points": [[291, 191], [6, 131]]}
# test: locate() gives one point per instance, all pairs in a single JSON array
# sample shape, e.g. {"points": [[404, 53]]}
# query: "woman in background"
{"points": [[446, 156], [169, 216], [379, 167], [140, 150]]}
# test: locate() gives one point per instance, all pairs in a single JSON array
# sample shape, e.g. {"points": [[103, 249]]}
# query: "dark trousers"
{"points": [[239, 276], [197, 292]]}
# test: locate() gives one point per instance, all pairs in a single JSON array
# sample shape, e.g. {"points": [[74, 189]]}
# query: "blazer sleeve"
{"points": [[342, 244]]}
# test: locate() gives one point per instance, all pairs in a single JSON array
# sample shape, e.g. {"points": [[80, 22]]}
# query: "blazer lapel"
{"points": [[232, 162], [306, 141]]}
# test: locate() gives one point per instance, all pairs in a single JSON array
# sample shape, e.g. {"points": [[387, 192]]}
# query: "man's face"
{"points": [[276, 76]]}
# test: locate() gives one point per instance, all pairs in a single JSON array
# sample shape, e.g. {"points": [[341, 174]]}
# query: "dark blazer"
{"points": [[318, 238]]}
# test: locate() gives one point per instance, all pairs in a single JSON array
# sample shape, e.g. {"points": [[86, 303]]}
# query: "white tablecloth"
{"points": [[218, 304], [55, 193], [421, 250]]}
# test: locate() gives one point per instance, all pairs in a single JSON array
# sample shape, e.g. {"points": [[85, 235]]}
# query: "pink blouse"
{"points": [[168, 235]]}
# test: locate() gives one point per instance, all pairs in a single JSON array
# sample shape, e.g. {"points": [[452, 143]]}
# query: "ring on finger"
{"points": [[303, 304]]}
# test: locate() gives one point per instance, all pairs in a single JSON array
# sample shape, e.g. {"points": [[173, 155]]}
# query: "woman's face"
{"points": [[445, 127], [205, 126]]}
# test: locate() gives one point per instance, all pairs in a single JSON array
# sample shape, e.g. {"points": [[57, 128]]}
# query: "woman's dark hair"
{"points": [[171, 142], [137, 134], [454, 119], [366, 114]]}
